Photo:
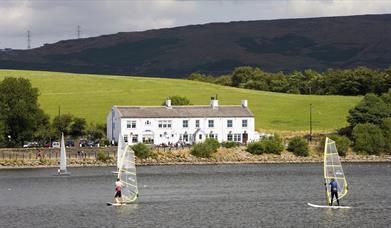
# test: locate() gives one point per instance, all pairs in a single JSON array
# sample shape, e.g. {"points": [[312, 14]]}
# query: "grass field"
{"points": [[92, 96]]}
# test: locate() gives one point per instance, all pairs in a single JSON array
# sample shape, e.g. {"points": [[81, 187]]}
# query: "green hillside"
{"points": [[92, 96]]}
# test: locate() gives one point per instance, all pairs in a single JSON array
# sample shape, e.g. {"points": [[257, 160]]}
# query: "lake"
{"points": [[267, 195]]}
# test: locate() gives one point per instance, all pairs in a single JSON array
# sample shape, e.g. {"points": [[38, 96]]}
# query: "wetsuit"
{"points": [[334, 192], [118, 189]]}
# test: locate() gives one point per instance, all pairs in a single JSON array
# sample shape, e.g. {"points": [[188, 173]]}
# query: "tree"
{"points": [[2, 136], [78, 127], [368, 138], [178, 100], [62, 124], [19, 110], [241, 75], [96, 132], [371, 109]]}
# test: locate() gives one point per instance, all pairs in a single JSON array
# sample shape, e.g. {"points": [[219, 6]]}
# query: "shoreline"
{"points": [[387, 160]]}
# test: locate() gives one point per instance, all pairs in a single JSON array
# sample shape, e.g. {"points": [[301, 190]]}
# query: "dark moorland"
{"points": [[217, 48]]}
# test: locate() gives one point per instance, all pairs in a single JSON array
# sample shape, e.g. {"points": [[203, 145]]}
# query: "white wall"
{"points": [[166, 135]]}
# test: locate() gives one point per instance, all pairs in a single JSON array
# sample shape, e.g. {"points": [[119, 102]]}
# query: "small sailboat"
{"points": [[128, 177], [62, 171], [332, 169]]}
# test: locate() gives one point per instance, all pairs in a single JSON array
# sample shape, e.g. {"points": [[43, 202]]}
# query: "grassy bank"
{"points": [[92, 96]]}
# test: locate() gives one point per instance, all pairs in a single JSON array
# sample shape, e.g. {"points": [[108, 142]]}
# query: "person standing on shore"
{"points": [[118, 191], [334, 191]]}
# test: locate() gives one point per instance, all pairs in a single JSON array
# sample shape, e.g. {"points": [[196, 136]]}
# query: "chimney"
{"points": [[168, 103], [244, 103], [214, 103]]}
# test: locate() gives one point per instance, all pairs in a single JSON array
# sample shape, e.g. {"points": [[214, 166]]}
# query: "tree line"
{"points": [[22, 119], [356, 81]]}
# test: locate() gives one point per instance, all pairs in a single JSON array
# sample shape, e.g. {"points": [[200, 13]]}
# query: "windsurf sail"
{"points": [[127, 175], [120, 149], [333, 170], [63, 156]]}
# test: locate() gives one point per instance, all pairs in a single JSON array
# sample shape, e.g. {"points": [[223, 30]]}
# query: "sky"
{"points": [[52, 20]]}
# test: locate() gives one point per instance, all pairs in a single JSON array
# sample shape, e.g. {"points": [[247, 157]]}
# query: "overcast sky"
{"points": [[53, 20]]}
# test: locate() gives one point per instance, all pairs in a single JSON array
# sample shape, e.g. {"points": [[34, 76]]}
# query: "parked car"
{"points": [[31, 145], [70, 143], [56, 144]]}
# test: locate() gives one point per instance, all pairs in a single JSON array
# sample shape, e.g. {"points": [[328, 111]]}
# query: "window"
{"points": [[134, 138], [237, 137], [229, 123], [147, 140], [165, 123], [211, 135], [200, 136], [148, 122], [229, 137], [131, 124], [211, 123], [197, 123], [185, 123], [244, 123], [185, 137], [125, 138]]}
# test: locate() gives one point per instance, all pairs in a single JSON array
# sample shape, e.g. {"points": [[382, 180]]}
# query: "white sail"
{"points": [[63, 156], [127, 175], [120, 149], [333, 169]]}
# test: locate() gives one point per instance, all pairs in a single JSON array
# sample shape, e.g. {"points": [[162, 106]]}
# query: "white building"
{"points": [[181, 124]]}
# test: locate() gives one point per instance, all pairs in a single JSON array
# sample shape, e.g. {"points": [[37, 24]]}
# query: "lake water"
{"points": [[267, 195]]}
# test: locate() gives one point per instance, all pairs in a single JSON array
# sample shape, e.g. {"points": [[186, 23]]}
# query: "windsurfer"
{"points": [[334, 191], [118, 190]]}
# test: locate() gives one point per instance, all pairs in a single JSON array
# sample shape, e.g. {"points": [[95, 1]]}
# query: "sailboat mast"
{"points": [[324, 170]]}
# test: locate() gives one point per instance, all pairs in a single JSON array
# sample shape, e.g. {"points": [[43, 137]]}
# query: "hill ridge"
{"points": [[216, 48]]}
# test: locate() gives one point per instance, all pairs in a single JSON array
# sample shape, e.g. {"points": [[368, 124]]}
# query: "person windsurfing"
{"points": [[334, 191], [118, 191]]}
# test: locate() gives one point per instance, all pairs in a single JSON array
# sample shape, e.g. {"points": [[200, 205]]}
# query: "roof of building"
{"points": [[183, 111]]}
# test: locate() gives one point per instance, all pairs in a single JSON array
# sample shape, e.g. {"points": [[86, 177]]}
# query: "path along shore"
{"points": [[92, 157]]}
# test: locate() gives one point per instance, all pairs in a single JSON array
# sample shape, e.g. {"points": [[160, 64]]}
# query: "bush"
{"points": [[255, 148], [341, 142], [271, 145], [141, 150], [368, 138], [178, 100], [102, 156], [230, 144], [386, 128], [298, 146], [203, 150], [213, 143]]}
